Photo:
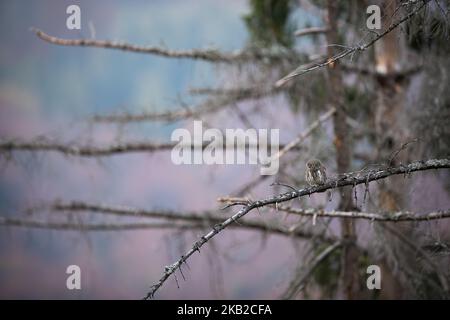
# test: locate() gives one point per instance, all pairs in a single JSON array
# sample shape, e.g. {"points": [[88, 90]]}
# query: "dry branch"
{"points": [[83, 150], [9, 145], [387, 217], [209, 55], [28, 223], [398, 216], [205, 218], [175, 220], [349, 179]]}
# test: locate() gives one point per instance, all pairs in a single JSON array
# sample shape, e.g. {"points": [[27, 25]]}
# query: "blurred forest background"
{"points": [[86, 176]]}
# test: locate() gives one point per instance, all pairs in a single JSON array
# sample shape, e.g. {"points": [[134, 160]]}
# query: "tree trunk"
{"points": [[349, 268], [392, 132]]}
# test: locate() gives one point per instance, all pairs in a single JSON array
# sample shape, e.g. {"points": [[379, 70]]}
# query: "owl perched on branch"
{"points": [[315, 173]]}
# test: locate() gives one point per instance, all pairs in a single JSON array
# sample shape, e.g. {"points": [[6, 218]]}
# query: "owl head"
{"points": [[314, 164]]}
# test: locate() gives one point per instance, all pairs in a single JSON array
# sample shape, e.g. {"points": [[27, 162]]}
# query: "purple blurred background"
{"points": [[47, 90]]}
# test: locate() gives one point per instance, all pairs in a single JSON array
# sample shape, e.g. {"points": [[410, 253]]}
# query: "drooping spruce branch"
{"points": [[350, 50], [304, 273], [347, 179]]}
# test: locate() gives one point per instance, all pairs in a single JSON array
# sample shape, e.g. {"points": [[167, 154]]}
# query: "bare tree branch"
{"points": [[209, 55], [206, 216], [199, 219], [348, 179], [399, 216], [83, 150], [9, 145], [28, 223]]}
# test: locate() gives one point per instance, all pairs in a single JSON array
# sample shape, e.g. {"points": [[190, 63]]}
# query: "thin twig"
{"points": [[310, 31]]}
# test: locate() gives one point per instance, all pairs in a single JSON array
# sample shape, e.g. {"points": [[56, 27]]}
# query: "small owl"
{"points": [[316, 173]]}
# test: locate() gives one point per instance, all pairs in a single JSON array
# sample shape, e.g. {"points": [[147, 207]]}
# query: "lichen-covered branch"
{"points": [[349, 179], [398, 216]]}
